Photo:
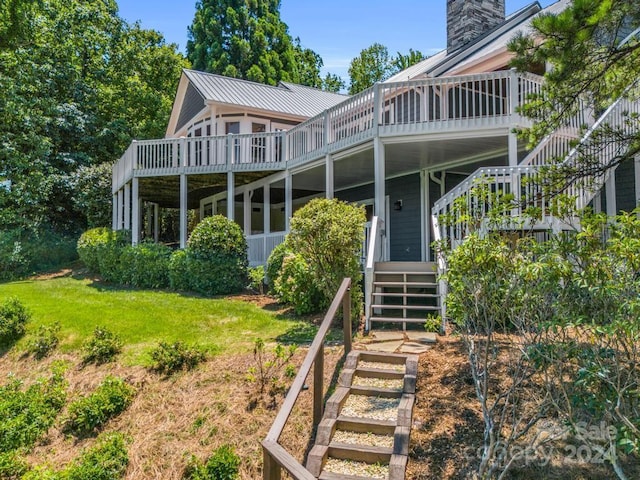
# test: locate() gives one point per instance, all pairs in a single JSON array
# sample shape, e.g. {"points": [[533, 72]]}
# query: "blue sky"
{"points": [[336, 30]]}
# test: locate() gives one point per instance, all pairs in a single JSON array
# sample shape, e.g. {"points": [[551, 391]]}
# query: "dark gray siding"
{"points": [[625, 186], [404, 224], [193, 103]]}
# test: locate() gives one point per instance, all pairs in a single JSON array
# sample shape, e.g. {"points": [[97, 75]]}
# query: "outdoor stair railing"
{"points": [[375, 253], [276, 457], [519, 187], [413, 106]]}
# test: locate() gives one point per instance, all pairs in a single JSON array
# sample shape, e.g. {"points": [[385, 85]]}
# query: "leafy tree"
{"points": [[333, 83], [374, 64], [248, 39], [591, 66], [76, 84]]}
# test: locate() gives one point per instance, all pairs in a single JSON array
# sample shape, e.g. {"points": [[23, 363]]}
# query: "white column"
{"points": [[597, 203], [379, 176], [127, 206], [266, 204], [114, 212], [183, 210], [426, 215], [120, 210], [246, 203], [610, 192], [156, 222], [288, 200], [513, 149], [135, 213], [328, 169], [231, 195]]}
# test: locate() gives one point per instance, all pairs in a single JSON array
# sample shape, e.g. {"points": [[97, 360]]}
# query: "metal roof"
{"points": [[287, 98]]}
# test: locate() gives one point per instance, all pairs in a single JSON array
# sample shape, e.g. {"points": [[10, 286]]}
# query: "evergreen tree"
{"points": [[248, 39], [593, 60]]}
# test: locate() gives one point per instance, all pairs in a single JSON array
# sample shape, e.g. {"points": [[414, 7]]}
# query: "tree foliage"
{"points": [[592, 62], [248, 39], [76, 84], [374, 64]]}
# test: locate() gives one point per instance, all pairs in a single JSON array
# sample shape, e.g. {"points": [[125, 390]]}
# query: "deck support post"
{"points": [[183, 210], [610, 193], [156, 222], [246, 212], [135, 212], [127, 206], [266, 203], [288, 200], [231, 196], [328, 169], [120, 210], [114, 212], [379, 206]]}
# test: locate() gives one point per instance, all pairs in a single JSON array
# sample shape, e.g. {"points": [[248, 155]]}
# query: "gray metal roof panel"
{"points": [[285, 98]]}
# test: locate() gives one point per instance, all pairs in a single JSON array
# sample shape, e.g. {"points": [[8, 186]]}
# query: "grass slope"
{"points": [[144, 317]]}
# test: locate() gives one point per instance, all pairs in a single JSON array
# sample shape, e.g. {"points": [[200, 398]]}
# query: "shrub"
{"points": [[178, 271], [271, 369], [89, 244], [218, 236], [222, 465], [102, 347], [256, 279], [24, 251], [13, 317], [328, 234], [107, 460], [295, 285], [28, 414], [217, 257], [12, 466], [110, 255], [145, 265], [45, 340], [274, 263], [110, 399], [171, 357]]}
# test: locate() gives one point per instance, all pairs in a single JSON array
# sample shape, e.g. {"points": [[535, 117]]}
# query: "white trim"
{"points": [[127, 206], [636, 163], [610, 192], [425, 212], [183, 210]]}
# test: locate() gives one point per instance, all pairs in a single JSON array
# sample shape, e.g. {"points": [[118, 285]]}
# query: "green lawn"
{"points": [[144, 317]]}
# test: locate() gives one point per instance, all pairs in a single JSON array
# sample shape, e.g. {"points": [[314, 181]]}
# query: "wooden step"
{"points": [[360, 453], [375, 391], [339, 476], [398, 319], [378, 373], [363, 425], [408, 294], [410, 267], [406, 284], [391, 306]]}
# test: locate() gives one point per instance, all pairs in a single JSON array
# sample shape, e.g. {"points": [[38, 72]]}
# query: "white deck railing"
{"points": [[376, 237], [415, 106], [519, 190], [260, 246]]}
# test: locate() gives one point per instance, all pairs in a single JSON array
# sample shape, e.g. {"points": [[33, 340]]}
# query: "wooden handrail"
{"points": [[275, 456]]}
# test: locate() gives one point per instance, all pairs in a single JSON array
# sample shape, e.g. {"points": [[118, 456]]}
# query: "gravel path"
{"points": [[396, 384], [348, 467], [397, 367], [357, 438], [366, 406]]}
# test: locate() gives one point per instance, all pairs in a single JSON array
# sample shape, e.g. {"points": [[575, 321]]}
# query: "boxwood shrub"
{"points": [[13, 318], [145, 265], [88, 245]]}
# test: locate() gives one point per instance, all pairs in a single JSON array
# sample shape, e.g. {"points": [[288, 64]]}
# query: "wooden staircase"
{"points": [[364, 433], [404, 292]]}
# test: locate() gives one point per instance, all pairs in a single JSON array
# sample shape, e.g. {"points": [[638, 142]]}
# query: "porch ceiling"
{"points": [[166, 190]]}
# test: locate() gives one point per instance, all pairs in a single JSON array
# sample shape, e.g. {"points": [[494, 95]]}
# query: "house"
{"points": [[405, 148]]}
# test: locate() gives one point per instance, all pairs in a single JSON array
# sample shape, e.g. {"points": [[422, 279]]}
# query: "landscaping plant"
{"points": [[102, 347], [271, 369], [13, 318], [222, 465], [44, 341], [172, 357], [107, 401]]}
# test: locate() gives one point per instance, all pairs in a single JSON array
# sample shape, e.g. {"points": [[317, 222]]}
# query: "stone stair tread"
{"points": [[349, 469]]}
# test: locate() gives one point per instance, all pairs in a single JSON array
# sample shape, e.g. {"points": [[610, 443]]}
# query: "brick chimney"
{"points": [[468, 19]]}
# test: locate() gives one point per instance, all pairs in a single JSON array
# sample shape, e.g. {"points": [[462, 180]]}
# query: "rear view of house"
{"points": [[405, 148]]}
